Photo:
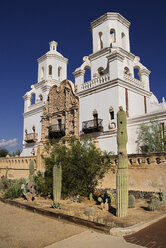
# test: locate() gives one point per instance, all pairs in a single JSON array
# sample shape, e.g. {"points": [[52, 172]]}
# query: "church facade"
{"points": [[118, 78]]}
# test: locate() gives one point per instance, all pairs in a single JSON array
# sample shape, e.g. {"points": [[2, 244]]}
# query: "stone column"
{"points": [[122, 172]]}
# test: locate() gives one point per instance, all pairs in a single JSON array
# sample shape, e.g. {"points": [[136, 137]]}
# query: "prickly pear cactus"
{"points": [[122, 173], [57, 182], [31, 171]]}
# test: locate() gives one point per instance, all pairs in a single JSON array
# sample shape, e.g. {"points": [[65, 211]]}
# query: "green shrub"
{"points": [[13, 192], [131, 201], [43, 184], [83, 165]]}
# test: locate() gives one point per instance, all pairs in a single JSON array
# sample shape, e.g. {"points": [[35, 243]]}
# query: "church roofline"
{"points": [[109, 16]]}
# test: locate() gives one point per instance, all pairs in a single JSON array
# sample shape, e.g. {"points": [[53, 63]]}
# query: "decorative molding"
{"points": [[52, 56], [109, 16]]}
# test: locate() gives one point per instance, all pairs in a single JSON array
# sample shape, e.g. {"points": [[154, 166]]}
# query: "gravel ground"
{"points": [[20, 228]]}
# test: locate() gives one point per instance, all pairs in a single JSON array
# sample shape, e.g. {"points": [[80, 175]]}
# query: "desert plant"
{"points": [[83, 165], [56, 205], [42, 184], [14, 191], [28, 190], [57, 182], [89, 211], [131, 201], [154, 204]]}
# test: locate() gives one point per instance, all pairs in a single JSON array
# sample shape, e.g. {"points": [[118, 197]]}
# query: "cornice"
{"points": [[109, 16], [115, 55], [78, 72], [100, 53], [146, 118], [33, 111], [52, 56]]}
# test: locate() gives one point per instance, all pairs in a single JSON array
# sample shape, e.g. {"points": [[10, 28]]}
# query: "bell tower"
{"points": [[110, 30]]}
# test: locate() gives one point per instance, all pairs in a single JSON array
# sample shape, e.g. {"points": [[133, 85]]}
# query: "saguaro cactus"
{"points": [[57, 182], [122, 173], [31, 171]]}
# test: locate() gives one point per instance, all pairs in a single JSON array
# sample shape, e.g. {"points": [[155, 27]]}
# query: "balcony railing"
{"points": [[94, 125], [56, 131], [31, 137]]}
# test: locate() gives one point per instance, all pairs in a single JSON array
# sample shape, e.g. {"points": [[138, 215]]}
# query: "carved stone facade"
{"points": [[61, 112]]}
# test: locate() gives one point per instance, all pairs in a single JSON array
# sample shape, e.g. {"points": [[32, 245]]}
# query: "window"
{"points": [[100, 40], [59, 72], [33, 96], [53, 47], [113, 35], [50, 69], [59, 124]]}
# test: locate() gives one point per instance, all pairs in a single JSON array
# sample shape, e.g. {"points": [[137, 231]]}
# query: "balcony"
{"points": [[31, 137], [56, 131], [91, 126]]}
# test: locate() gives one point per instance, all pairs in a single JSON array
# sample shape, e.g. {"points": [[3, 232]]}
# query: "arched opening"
{"points": [[87, 75], [123, 37], [50, 70], [112, 35], [100, 40], [42, 72], [137, 73], [33, 98], [59, 72]]}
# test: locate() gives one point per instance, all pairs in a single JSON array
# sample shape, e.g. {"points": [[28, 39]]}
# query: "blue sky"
{"points": [[26, 28]]}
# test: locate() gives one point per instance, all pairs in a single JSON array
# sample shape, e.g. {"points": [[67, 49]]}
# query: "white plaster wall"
{"points": [[136, 104], [108, 143], [101, 101], [99, 62]]}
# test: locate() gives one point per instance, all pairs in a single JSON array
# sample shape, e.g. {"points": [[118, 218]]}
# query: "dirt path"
{"points": [[22, 229]]}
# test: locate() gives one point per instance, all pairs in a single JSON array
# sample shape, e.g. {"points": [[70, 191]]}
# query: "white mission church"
{"points": [[62, 107]]}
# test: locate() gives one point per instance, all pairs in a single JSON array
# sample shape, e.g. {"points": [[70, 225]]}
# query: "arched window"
{"points": [[113, 35], [123, 40], [50, 69], [59, 72], [100, 40], [42, 72], [137, 73], [33, 96]]}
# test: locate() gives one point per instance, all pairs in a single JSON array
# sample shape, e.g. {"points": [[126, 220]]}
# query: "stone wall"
{"points": [[147, 172]]}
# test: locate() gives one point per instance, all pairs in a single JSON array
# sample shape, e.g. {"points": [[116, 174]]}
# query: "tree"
{"points": [[16, 153], [151, 137], [83, 165], [3, 152]]}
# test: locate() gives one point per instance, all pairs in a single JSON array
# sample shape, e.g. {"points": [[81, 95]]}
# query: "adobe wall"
{"points": [[147, 172], [16, 167]]}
